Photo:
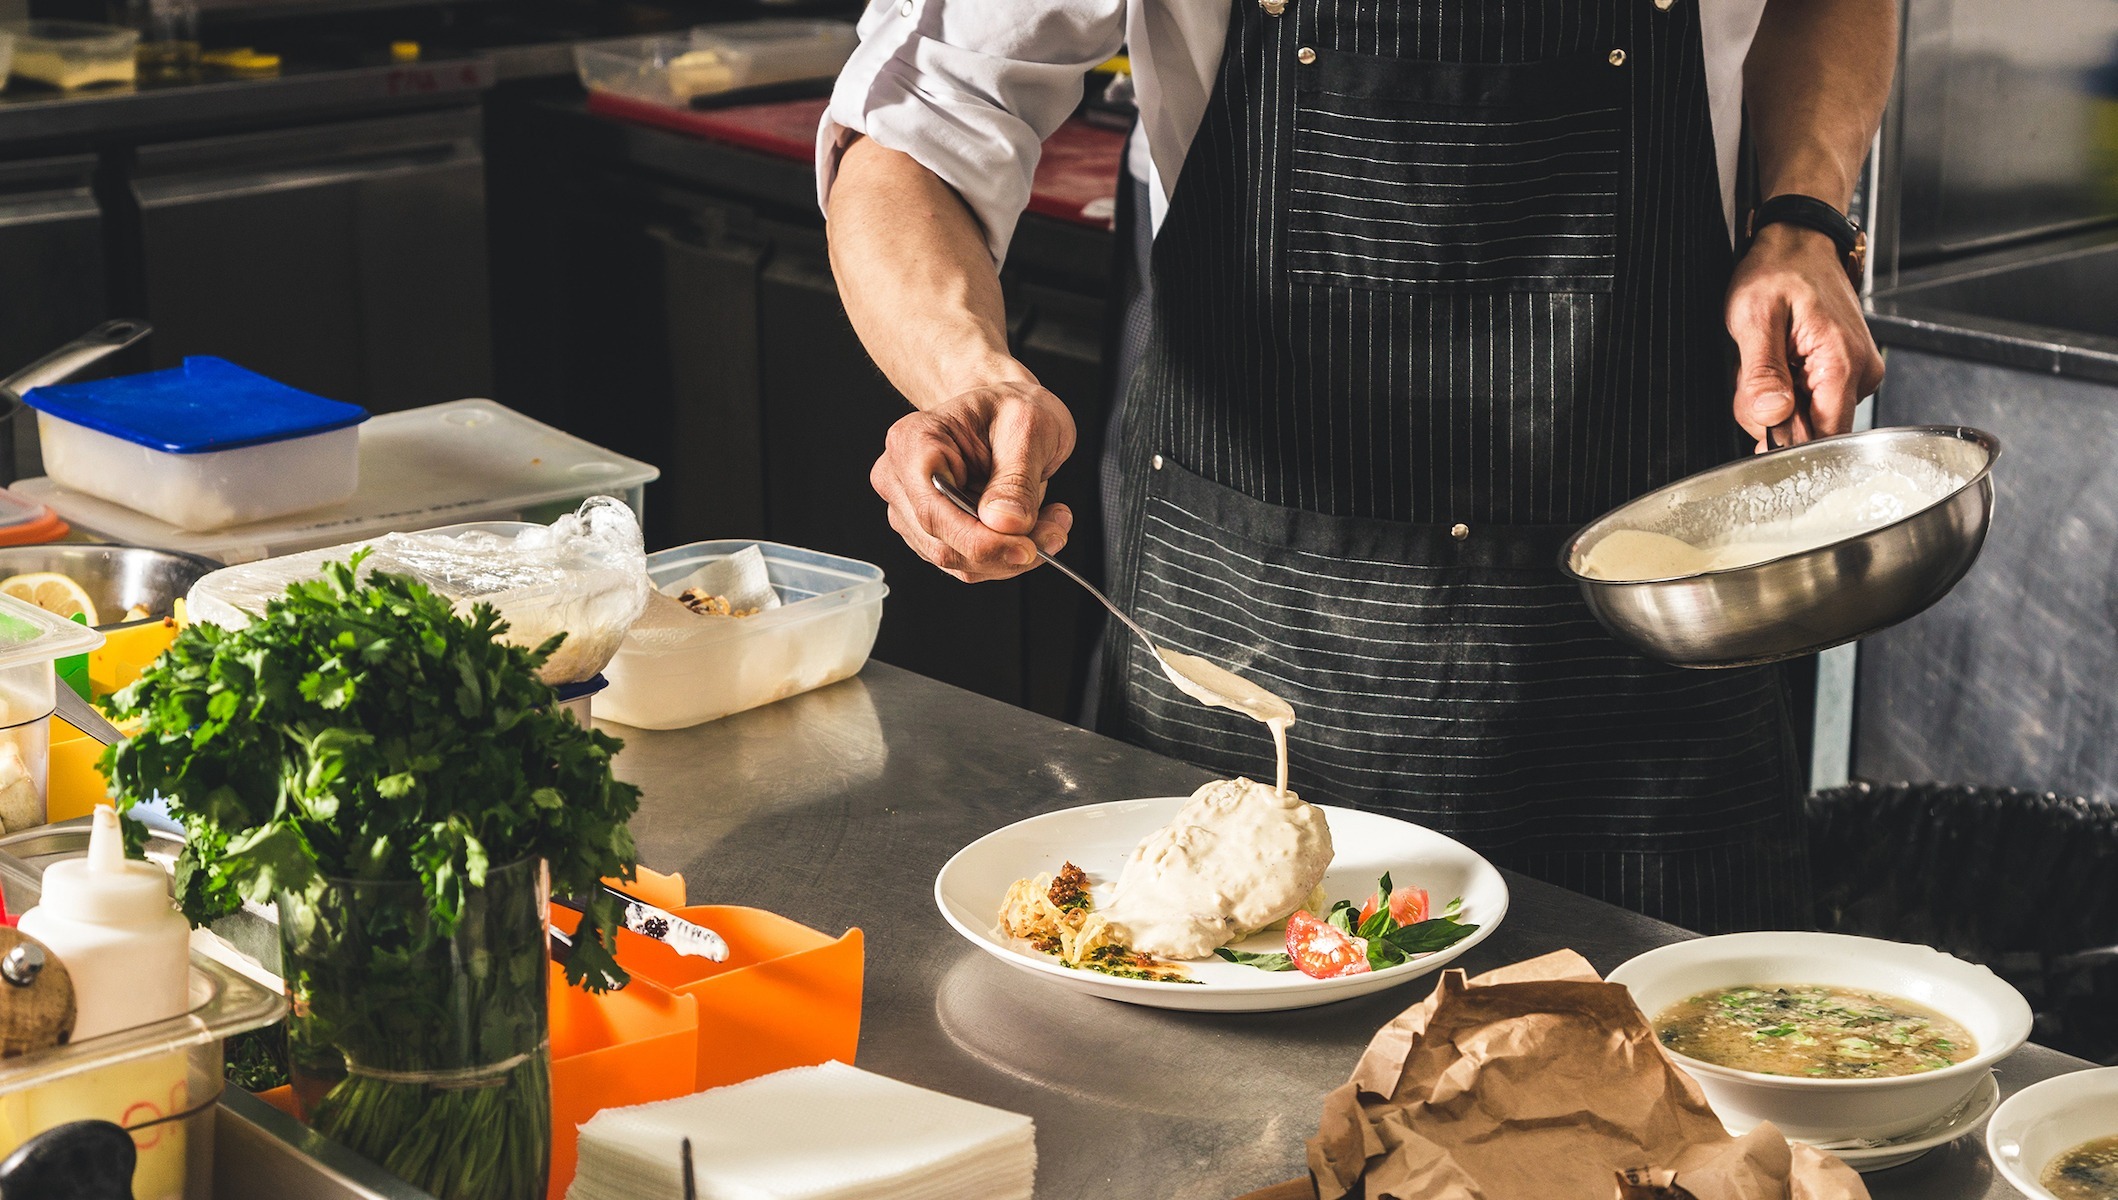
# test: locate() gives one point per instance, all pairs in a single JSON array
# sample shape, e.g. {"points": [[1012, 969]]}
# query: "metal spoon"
{"points": [[956, 497]]}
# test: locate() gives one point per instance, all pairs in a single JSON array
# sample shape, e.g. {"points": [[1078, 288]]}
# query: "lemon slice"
{"points": [[52, 592]]}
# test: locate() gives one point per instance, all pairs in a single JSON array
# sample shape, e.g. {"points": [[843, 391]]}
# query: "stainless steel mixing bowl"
{"points": [[115, 577], [1799, 603]]}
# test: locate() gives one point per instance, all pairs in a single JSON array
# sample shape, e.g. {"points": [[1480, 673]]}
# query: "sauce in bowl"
{"points": [[2087, 1172], [1812, 1031]]}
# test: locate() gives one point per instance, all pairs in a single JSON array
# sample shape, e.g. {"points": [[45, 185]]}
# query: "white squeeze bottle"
{"points": [[110, 920]]}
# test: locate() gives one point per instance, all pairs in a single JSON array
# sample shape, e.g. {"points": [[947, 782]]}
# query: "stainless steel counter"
{"points": [[838, 808]]}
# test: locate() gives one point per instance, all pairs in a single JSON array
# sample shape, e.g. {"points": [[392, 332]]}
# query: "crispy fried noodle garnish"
{"points": [[1052, 913]]}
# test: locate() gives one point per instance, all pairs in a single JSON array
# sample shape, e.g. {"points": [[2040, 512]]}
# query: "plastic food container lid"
{"points": [[444, 464], [24, 522], [205, 405], [28, 634]]}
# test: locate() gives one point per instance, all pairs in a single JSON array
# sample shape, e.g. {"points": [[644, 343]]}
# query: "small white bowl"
{"points": [[2047, 1119], [1827, 1110]]}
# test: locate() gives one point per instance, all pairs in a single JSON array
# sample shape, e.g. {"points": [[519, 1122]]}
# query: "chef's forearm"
{"points": [[1815, 84], [917, 279]]}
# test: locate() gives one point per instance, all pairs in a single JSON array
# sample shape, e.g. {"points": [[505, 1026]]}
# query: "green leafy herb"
{"points": [[392, 773], [1263, 962], [1389, 943], [367, 732]]}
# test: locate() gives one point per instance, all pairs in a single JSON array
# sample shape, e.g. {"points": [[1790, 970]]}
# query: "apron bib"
{"points": [[1438, 284]]}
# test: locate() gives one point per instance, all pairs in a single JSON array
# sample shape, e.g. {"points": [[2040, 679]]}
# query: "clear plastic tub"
{"points": [[159, 1081], [672, 672], [715, 58], [467, 460], [580, 577], [202, 446], [74, 54], [31, 642]]}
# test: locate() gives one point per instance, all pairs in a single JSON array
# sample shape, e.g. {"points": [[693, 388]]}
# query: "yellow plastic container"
{"points": [[74, 786]]}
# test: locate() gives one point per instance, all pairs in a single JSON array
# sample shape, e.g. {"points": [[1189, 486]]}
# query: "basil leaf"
{"points": [[1378, 924], [1342, 917], [1381, 953], [1429, 936], [1263, 962]]}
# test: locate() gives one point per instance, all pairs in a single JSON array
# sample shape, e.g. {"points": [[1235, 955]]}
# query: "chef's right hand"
{"points": [[1010, 437]]}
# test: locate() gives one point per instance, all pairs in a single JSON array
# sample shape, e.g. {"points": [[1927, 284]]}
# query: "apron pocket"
{"points": [[1432, 176]]}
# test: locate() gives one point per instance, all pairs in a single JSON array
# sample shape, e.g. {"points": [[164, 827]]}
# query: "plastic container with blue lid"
{"points": [[202, 446]]}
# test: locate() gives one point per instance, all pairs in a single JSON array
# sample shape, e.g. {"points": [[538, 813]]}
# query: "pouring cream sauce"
{"points": [[1221, 688]]}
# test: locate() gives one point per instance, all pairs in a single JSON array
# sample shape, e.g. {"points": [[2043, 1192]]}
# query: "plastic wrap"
{"points": [[584, 575]]}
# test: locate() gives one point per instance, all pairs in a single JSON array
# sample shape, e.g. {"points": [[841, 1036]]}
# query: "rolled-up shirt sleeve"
{"points": [[970, 89]]}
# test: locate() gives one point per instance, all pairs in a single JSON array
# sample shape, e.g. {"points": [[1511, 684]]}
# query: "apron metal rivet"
{"points": [[1617, 58], [1305, 56], [1459, 531], [1274, 8], [1158, 462]]}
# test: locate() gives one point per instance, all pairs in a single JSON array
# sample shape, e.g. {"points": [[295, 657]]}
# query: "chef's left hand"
{"points": [[1797, 322]]}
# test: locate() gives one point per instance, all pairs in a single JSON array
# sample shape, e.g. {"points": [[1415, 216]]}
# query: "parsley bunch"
{"points": [[365, 731]]}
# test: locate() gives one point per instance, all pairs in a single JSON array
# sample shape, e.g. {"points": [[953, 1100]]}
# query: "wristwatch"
{"points": [[1812, 213]]}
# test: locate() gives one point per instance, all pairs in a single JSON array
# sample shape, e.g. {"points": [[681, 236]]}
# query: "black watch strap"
{"points": [[1812, 213]]}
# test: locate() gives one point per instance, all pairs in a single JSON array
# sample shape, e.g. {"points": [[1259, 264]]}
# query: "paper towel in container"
{"points": [[584, 575]]}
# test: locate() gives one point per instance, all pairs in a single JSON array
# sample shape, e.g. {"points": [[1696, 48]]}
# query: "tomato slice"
{"points": [[1408, 906], [1323, 951]]}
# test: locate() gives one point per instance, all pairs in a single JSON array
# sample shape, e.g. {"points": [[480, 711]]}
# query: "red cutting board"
{"points": [[1077, 177]]}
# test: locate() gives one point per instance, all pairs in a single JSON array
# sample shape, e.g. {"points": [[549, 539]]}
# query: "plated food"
{"points": [[1238, 858], [2058, 1139], [1099, 839], [1812, 1030], [1853, 996]]}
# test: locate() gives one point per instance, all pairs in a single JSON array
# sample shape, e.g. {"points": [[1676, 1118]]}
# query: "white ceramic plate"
{"points": [[1898, 1152], [2049, 1118], [1098, 837]]}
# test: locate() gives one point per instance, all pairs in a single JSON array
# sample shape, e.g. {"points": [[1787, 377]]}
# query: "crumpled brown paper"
{"points": [[1536, 1081]]}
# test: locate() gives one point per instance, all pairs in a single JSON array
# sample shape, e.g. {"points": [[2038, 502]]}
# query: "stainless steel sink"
{"points": [[261, 1153], [2052, 307]]}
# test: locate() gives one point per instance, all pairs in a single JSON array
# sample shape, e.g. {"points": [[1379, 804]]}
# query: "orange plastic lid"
{"points": [[25, 522]]}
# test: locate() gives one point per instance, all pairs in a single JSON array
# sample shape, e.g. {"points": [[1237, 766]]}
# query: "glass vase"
{"points": [[425, 1051]]}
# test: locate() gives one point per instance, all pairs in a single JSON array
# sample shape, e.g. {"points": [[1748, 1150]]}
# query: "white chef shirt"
{"points": [[971, 88]]}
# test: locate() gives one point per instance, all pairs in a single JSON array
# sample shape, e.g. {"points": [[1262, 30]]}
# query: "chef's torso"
{"points": [[1438, 282]]}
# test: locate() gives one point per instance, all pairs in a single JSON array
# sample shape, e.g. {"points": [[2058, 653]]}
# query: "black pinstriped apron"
{"points": [[1439, 282]]}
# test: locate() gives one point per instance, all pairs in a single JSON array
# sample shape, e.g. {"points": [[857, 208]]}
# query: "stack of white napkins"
{"points": [[832, 1132]]}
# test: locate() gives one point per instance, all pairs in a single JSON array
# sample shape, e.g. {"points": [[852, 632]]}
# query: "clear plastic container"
{"points": [[715, 58], [74, 54], [467, 460], [201, 446], [159, 1081], [31, 642], [676, 670], [580, 577]]}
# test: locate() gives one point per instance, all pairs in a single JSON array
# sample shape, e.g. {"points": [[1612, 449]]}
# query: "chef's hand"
{"points": [[1011, 437], [1797, 322]]}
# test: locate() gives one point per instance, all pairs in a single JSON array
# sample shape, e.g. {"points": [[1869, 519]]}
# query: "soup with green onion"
{"points": [[1808, 1029], [2087, 1172]]}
